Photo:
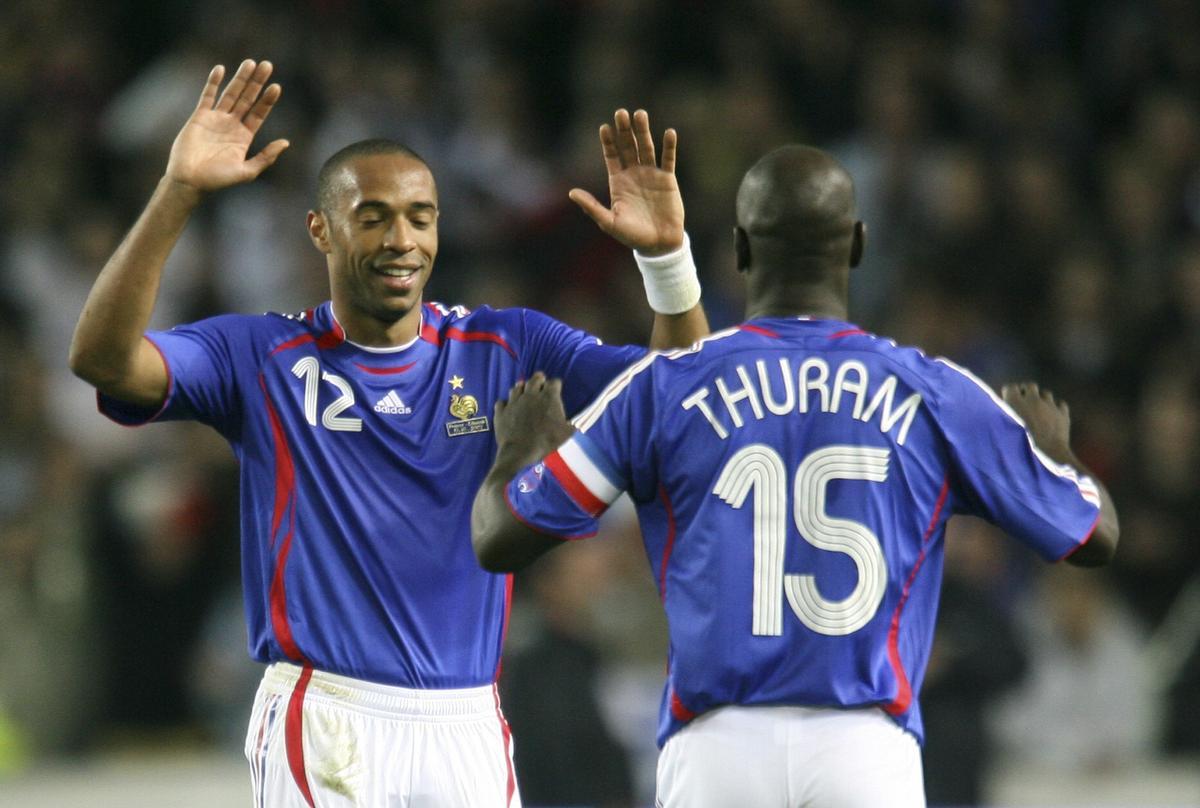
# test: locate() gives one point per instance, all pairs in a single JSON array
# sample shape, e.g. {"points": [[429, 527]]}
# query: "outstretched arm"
{"points": [[209, 153], [647, 216], [529, 426], [1049, 424]]}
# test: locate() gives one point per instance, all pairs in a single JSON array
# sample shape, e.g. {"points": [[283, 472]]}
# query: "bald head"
{"points": [[801, 199], [797, 236]]}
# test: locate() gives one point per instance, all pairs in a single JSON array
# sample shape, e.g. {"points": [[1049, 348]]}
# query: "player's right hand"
{"points": [[210, 152], [1047, 420]]}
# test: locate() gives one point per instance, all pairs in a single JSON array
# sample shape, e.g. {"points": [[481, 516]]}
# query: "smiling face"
{"points": [[379, 236]]}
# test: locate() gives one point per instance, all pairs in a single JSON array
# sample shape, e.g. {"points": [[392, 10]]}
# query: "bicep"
{"points": [[146, 382]]}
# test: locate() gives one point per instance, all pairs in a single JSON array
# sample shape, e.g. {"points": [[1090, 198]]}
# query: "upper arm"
{"points": [[192, 371], [146, 382], [583, 362]]}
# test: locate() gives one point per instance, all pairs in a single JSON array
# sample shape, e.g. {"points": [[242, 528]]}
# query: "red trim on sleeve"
{"points": [[576, 490], [848, 332], [903, 699], [479, 336], [1088, 537], [516, 515], [758, 329], [294, 342], [294, 734], [670, 544]]}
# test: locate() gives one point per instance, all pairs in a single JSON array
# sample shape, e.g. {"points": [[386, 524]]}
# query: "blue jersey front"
{"points": [[793, 479], [358, 468]]}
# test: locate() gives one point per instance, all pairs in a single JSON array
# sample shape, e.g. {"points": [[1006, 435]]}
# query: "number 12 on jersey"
{"points": [[759, 468]]}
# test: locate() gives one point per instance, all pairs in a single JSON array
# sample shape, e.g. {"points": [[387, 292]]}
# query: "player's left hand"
{"points": [[647, 208], [1047, 419], [532, 423]]}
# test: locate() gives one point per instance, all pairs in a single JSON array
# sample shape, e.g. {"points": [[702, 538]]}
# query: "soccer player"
{"points": [[793, 477], [362, 429]]}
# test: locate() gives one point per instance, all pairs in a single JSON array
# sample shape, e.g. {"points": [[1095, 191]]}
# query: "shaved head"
{"points": [[797, 235], [800, 198], [331, 180]]}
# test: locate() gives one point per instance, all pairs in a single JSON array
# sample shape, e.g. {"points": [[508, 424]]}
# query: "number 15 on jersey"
{"points": [[760, 469]]}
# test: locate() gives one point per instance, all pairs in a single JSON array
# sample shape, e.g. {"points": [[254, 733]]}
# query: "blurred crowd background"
{"points": [[1030, 174]]}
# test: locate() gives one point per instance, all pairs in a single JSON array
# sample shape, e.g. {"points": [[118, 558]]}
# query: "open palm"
{"points": [[647, 208], [210, 152]]}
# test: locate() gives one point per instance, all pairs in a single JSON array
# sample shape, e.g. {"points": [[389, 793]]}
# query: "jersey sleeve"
{"points": [[612, 452], [200, 363], [582, 361], [1002, 476]]}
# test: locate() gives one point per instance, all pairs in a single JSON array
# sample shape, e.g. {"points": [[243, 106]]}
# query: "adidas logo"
{"points": [[392, 404]]}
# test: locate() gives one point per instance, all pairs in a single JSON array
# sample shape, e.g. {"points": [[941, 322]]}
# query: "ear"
{"points": [[318, 231], [741, 248], [858, 243]]}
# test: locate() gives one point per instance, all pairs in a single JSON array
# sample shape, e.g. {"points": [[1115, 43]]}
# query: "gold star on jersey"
{"points": [[465, 408]]}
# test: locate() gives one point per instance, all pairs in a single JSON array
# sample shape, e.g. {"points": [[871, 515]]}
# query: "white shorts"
{"points": [[791, 757], [317, 740]]}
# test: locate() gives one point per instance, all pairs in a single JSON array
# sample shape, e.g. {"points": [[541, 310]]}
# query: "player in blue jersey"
{"points": [[793, 477], [362, 427]]}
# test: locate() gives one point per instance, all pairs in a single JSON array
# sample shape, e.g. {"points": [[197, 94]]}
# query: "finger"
{"points": [[537, 381], [262, 107], [608, 146], [253, 87], [626, 145], [233, 90], [267, 157], [670, 142], [498, 409], [516, 390], [599, 214], [645, 141], [208, 96]]}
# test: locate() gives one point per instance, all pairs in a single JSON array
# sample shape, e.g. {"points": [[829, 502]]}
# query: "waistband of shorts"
{"points": [[449, 703]]}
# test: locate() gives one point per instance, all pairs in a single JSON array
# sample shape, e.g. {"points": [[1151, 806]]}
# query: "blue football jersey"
{"points": [[358, 467], [793, 479]]}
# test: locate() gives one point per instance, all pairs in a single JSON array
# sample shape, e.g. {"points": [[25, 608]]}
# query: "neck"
{"points": [[770, 294], [374, 332]]}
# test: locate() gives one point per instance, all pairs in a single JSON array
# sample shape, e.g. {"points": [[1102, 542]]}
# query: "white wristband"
{"points": [[671, 283]]}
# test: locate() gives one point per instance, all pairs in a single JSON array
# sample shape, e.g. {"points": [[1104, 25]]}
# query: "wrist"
{"points": [[672, 286], [180, 192]]}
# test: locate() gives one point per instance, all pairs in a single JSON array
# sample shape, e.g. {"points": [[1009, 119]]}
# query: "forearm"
{"points": [[501, 542], [108, 336], [1102, 544], [678, 330]]}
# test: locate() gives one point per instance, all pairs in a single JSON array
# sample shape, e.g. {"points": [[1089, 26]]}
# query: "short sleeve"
{"points": [[611, 453], [582, 361], [1001, 475], [199, 358]]}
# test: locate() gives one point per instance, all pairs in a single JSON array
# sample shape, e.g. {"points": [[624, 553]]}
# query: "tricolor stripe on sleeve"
{"points": [[585, 475], [1087, 487]]}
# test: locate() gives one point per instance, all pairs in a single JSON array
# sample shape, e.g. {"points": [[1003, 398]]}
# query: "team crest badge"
{"points": [[465, 408]]}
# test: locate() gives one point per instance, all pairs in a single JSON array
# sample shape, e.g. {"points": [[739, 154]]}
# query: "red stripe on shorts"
{"points": [[294, 734]]}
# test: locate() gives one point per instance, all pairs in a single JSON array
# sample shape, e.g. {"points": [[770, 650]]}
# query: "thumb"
{"points": [[267, 157], [599, 214]]}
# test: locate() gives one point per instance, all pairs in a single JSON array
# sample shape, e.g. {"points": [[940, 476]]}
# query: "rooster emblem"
{"points": [[463, 407]]}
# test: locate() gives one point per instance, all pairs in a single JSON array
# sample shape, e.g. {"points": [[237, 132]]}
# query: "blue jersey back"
{"points": [[793, 479], [358, 467]]}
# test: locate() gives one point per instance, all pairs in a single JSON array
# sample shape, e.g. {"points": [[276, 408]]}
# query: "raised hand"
{"points": [[210, 152], [647, 209]]}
